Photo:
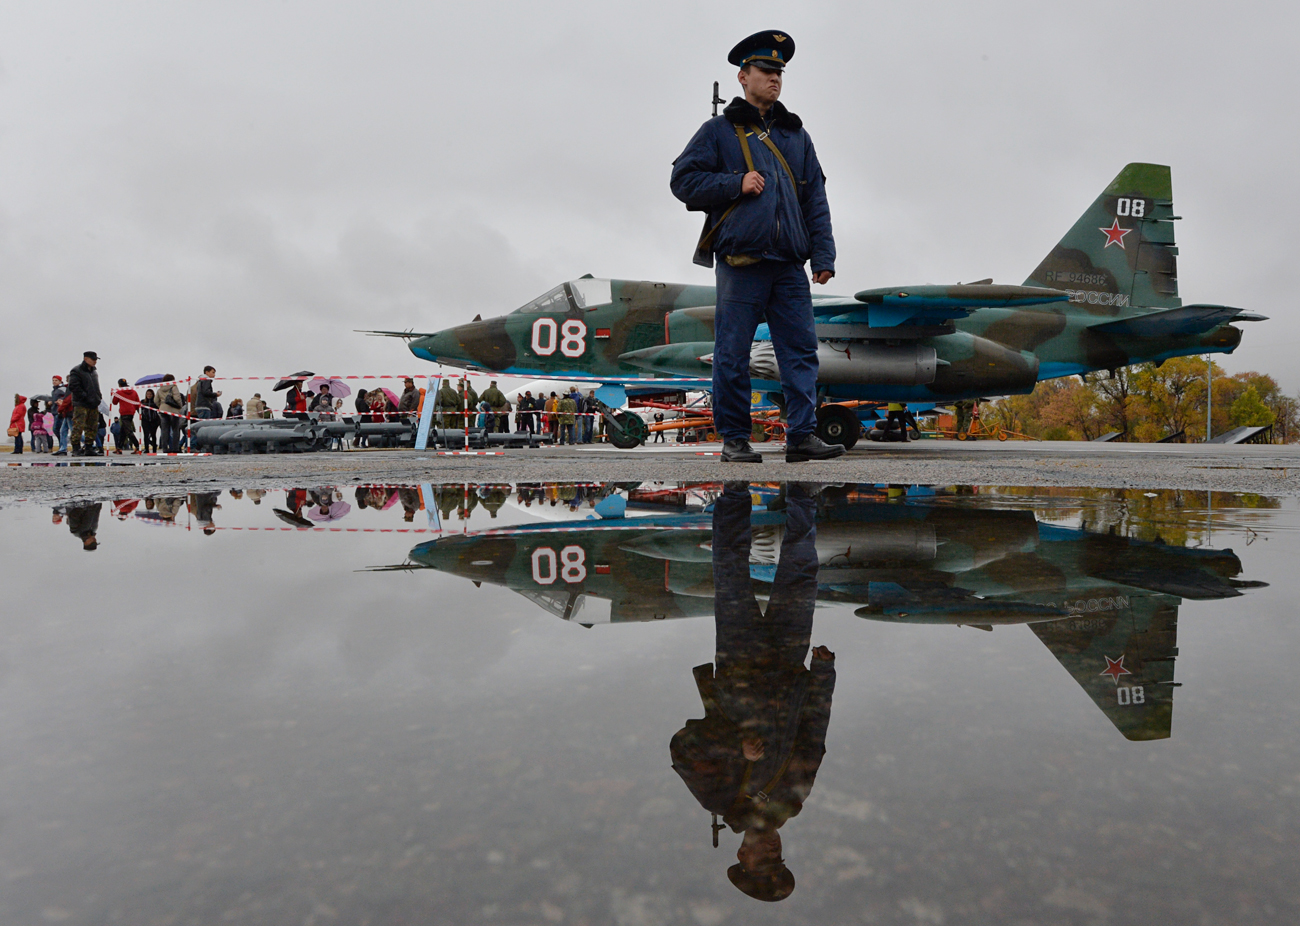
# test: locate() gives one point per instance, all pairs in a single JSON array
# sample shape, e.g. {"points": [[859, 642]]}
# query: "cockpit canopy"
{"points": [[585, 293]]}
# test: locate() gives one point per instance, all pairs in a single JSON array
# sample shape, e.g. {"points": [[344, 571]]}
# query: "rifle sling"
{"points": [[706, 239]]}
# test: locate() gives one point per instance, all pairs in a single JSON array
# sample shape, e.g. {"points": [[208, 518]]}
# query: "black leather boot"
{"points": [[739, 451], [812, 447]]}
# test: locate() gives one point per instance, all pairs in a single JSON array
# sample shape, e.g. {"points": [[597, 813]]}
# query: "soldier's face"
{"points": [[760, 85]]}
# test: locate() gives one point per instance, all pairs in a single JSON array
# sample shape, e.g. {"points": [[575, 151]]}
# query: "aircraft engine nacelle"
{"points": [[867, 363]]}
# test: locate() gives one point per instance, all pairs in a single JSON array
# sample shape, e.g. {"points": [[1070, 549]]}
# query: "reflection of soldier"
{"points": [[83, 522], [454, 498], [753, 758], [203, 504], [493, 497]]}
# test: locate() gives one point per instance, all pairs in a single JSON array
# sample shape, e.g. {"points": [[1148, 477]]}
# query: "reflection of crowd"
{"points": [[324, 506]]}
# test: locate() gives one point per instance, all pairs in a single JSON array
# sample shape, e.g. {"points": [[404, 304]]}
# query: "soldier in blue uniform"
{"points": [[755, 172]]}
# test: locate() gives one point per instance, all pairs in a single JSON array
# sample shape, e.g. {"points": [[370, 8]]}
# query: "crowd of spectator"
{"points": [[77, 418], [568, 418]]}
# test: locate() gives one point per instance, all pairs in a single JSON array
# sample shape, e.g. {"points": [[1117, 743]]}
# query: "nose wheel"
{"points": [[626, 430]]}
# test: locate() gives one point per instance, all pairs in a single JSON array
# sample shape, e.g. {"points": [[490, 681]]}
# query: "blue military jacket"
{"points": [[782, 222]]}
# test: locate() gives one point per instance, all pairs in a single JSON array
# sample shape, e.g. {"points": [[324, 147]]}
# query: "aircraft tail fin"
{"points": [[1120, 255], [1123, 659]]}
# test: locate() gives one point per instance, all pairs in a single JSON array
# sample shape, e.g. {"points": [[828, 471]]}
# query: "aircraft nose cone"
{"points": [[482, 344], [445, 345]]}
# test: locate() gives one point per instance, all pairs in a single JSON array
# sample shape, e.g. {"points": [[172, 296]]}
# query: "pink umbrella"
{"points": [[337, 510], [392, 396], [338, 388]]}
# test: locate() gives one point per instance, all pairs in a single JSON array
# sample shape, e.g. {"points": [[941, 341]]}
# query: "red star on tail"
{"points": [[1115, 668], [1114, 235]]}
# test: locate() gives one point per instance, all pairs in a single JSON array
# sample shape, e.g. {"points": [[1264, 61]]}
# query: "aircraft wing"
{"points": [[1124, 659]]}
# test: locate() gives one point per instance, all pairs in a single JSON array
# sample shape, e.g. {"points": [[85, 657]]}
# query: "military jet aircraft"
{"points": [[1105, 297], [1106, 606]]}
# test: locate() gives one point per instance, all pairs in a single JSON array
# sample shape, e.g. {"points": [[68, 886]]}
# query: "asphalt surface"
{"points": [[1267, 470]]}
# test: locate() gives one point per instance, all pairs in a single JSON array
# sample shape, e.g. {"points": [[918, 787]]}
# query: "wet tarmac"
{"points": [[1264, 469], [546, 702]]}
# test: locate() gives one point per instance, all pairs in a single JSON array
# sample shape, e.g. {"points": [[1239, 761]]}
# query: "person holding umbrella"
{"points": [[62, 422], [323, 402], [383, 403], [293, 399], [36, 424]]}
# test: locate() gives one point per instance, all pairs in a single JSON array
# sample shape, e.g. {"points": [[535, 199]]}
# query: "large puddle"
{"points": [[638, 704]]}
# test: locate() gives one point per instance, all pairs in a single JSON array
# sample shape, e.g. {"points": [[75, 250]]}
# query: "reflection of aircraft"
{"points": [[1105, 297], [1105, 605]]}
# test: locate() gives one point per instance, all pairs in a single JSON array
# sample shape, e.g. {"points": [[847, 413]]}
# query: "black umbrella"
{"points": [[288, 517], [295, 379], [40, 398]]}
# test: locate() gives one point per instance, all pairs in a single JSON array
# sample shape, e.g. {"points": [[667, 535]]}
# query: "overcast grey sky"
{"points": [[245, 183]]}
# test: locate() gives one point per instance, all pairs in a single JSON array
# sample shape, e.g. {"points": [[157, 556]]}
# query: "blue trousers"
{"points": [[775, 292]]}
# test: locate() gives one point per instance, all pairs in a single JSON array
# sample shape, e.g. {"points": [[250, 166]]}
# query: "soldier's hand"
{"points": [[822, 277], [752, 185], [753, 748], [821, 652]]}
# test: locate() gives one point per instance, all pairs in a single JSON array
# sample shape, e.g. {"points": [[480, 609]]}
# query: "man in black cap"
{"points": [[83, 382], [755, 172]]}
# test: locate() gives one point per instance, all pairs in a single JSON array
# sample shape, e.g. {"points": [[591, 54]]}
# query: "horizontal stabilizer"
{"points": [[1180, 322]]}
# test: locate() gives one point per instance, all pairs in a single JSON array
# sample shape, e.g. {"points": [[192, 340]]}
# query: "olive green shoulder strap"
{"points": [[766, 139], [706, 238]]}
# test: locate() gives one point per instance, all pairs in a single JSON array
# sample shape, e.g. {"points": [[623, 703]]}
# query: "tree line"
{"points": [[1147, 403]]}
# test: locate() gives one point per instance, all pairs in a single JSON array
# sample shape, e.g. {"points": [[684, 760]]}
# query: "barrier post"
{"points": [[426, 416]]}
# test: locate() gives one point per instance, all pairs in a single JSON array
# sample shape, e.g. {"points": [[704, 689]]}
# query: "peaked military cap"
{"points": [[770, 50]]}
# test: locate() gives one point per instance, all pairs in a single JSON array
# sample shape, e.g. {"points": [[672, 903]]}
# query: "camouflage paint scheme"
{"points": [[1097, 601], [1105, 297]]}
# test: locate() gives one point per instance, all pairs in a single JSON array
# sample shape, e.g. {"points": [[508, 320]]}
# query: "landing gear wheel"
{"points": [[837, 424], [1002, 435], [962, 435], [629, 431]]}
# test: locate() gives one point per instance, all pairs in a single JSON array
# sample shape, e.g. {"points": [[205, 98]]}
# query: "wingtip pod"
{"points": [[1153, 181]]}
